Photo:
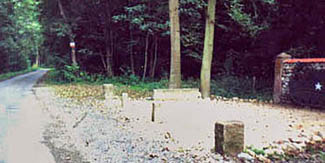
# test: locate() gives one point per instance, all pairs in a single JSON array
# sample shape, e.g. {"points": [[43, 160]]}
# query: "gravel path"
{"points": [[82, 133], [87, 131], [192, 122]]}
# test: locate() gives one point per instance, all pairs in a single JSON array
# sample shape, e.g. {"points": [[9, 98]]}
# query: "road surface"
{"points": [[20, 121]]}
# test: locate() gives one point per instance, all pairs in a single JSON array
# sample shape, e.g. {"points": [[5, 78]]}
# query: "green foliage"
{"points": [[322, 155], [226, 86], [191, 83], [232, 86], [258, 151], [134, 83], [244, 19], [238, 24], [72, 74], [242, 87], [69, 73], [20, 34], [313, 151], [130, 84], [244, 29], [276, 156]]}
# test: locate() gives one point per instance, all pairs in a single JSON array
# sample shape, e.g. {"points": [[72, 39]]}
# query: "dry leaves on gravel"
{"points": [[79, 91]]}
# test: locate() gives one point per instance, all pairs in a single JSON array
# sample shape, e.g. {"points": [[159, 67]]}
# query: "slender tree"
{"points": [[208, 49], [109, 43], [154, 59], [145, 66], [131, 42], [175, 64], [69, 31]]}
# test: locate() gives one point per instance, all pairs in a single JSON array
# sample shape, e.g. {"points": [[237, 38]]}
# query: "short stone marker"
{"points": [[125, 99], [229, 137], [108, 91], [176, 94], [112, 101]]}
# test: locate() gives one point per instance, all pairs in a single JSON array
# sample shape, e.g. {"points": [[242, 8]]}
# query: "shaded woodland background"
{"points": [[131, 38]]}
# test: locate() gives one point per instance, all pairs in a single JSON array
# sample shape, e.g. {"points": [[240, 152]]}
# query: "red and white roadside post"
{"points": [[73, 52]]}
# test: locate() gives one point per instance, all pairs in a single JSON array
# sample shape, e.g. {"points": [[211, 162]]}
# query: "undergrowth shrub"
{"points": [[71, 73], [242, 87], [226, 86], [67, 74]]}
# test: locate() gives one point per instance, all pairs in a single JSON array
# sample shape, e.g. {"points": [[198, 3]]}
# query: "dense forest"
{"points": [[132, 38]]}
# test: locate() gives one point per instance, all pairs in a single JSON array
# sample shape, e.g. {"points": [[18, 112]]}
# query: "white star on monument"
{"points": [[318, 87]]}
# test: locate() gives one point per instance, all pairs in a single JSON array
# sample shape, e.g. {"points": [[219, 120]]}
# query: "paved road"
{"points": [[17, 105]]}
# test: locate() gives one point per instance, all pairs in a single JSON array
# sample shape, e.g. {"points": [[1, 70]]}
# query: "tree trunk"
{"points": [[102, 58], [109, 70], [152, 52], [62, 11], [109, 57], [37, 60], [208, 49], [69, 32], [131, 53], [109, 47], [175, 64], [130, 16], [153, 69], [73, 56], [145, 58]]}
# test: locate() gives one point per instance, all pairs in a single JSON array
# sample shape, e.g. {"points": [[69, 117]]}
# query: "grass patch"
{"points": [[10, 75]]}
